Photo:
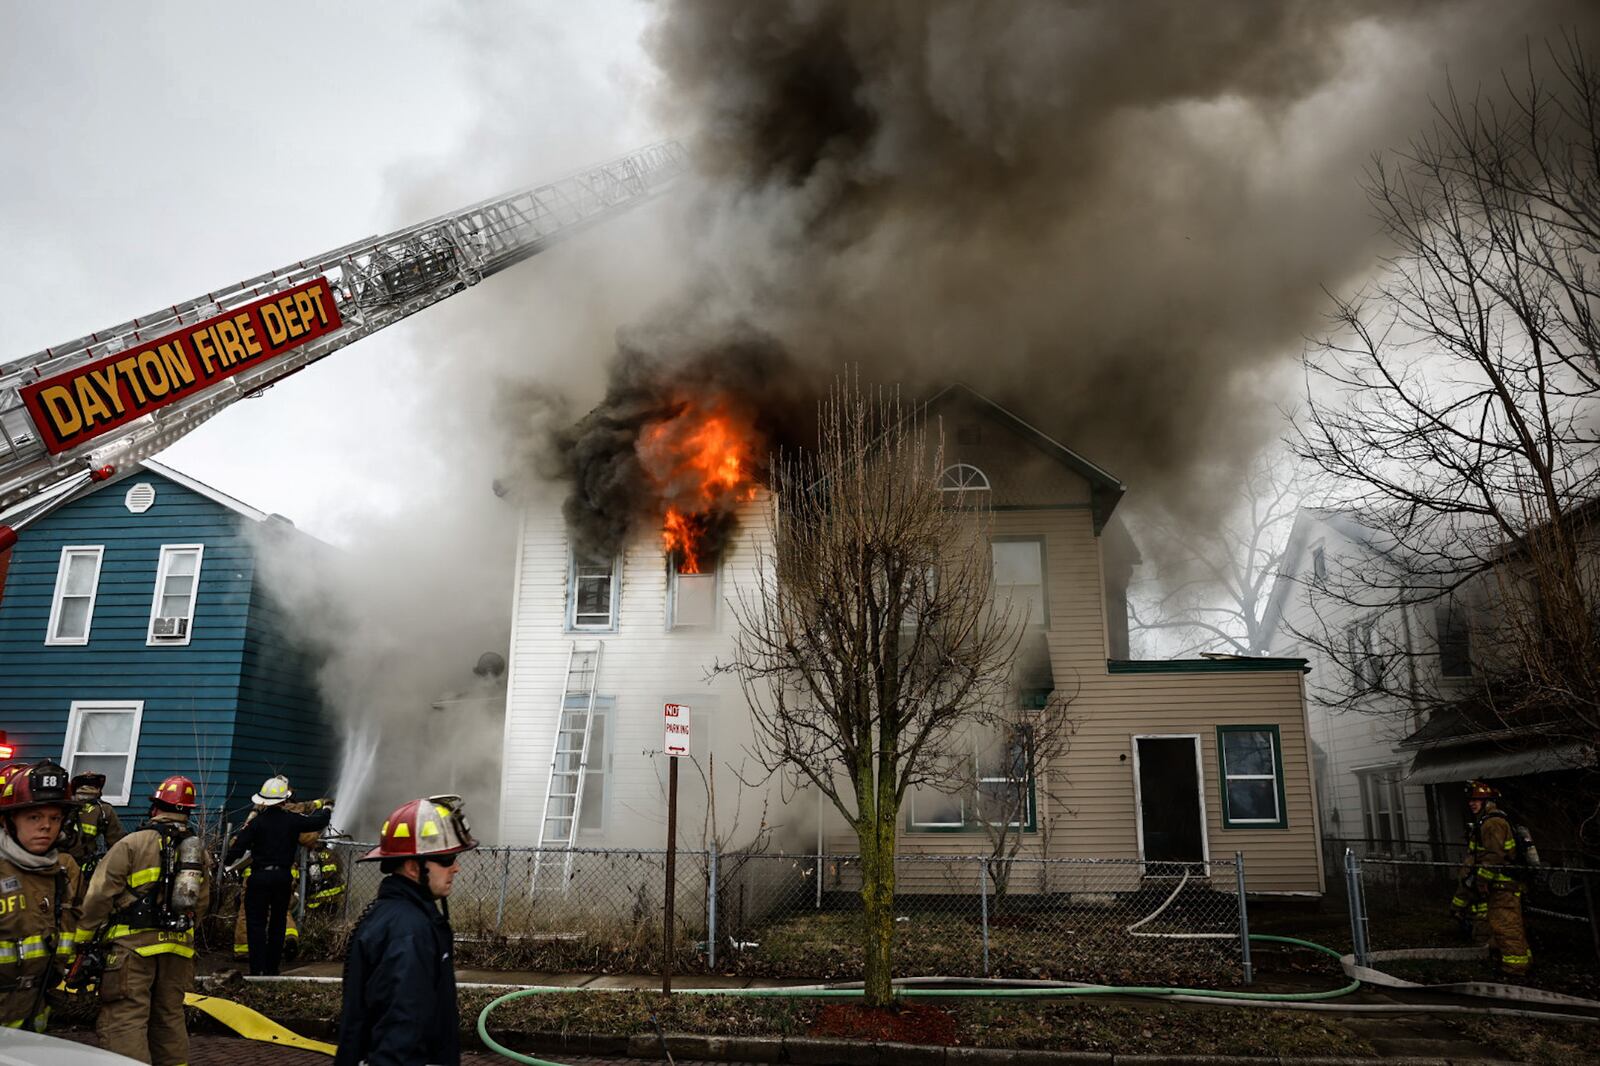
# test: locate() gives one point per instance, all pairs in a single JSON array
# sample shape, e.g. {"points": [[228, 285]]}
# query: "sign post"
{"points": [[675, 720]]}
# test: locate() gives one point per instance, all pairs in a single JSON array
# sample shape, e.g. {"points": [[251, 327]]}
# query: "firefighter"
{"points": [[39, 889], [272, 836], [147, 893], [399, 980], [96, 821], [1491, 880]]}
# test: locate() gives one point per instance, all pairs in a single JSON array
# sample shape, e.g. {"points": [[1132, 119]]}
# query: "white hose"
{"points": [[1153, 915]]}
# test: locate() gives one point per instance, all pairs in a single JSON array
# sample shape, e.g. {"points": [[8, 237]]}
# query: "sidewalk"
{"points": [[469, 976]]}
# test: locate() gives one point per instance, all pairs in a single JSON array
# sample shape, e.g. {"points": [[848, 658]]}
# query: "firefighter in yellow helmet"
{"points": [[1491, 880], [147, 893], [39, 888]]}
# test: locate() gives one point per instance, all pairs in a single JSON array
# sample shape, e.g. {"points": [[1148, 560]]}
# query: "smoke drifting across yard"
{"points": [[1119, 216]]}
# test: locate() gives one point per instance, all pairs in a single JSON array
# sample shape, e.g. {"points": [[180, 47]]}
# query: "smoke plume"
{"points": [[1119, 218]]}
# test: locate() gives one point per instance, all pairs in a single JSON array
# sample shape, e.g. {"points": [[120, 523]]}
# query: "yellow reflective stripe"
{"points": [[144, 877], [33, 947], [1517, 960], [88, 829], [1511, 844], [8, 952], [165, 949]]}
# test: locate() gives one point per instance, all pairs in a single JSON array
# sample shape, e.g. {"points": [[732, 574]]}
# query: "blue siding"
{"points": [[199, 699]]}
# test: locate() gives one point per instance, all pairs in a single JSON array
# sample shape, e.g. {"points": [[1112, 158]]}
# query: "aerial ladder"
{"points": [[75, 413]]}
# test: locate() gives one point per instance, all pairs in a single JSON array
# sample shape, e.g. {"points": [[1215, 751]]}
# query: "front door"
{"points": [[1171, 808]]}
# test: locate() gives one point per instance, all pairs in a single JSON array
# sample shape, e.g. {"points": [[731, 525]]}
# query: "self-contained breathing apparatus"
{"points": [[170, 900]]}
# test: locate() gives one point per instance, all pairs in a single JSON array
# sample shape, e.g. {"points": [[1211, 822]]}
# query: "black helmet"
{"points": [[88, 779]]}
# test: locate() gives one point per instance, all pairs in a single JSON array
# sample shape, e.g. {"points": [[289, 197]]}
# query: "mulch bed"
{"points": [[908, 1023]]}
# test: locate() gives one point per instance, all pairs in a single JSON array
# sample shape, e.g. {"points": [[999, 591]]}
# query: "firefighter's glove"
{"points": [[86, 970]]}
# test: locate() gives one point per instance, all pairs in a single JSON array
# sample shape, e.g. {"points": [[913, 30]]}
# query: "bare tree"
{"points": [[1455, 403], [1207, 588], [868, 644], [1016, 781]]}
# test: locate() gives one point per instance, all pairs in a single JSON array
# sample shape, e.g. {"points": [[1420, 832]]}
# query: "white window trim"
{"points": [[1200, 789], [1388, 776], [69, 752], [672, 601], [572, 597], [50, 638], [1222, 768], [956, 471], [167, 552], [604, 707]]}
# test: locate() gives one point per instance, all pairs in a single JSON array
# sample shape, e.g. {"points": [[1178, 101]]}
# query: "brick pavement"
{"points": [[210, 1050]]}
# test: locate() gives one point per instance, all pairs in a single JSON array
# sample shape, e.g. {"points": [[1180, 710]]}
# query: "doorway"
{"points": [[1170, 803]]}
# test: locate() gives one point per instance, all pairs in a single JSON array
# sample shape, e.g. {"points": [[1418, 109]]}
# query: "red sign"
{"points": [[675, 716], [81, 404]]}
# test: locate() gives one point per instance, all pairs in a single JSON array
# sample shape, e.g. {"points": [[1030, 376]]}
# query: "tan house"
{"points": [[1172, 761]]}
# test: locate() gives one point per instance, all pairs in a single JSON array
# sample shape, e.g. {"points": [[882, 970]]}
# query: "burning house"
{"points": [[624, 603]]}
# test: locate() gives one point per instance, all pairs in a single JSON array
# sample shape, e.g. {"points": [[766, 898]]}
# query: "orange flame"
{"points": [[701, 463]]}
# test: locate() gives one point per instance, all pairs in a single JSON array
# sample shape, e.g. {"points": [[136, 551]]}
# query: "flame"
{"points": [[701, 462]]}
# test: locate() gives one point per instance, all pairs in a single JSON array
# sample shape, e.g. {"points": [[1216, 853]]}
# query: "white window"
{"points": [[72, 609], [1367, 663], [592, 592], [1455, 641], [592, 813], [177, 586], [691, 600], [1319, 563], [104, 736], [1383, 811], [963, 477], [1005, 786], [1019, 579]]}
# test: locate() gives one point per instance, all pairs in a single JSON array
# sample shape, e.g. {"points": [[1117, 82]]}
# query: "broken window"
{"points": [[1252, 777], [933, 809], [592, 592], [1005, 781]]}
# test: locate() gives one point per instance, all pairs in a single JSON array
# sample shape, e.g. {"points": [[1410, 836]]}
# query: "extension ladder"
{"points": [[569, 765]]}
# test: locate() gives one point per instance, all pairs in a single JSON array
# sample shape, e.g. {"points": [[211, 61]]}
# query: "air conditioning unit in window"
{"points": [[170, 628]]}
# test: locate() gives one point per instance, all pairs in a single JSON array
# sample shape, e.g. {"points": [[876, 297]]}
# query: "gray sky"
{"points": [[155, 151]]}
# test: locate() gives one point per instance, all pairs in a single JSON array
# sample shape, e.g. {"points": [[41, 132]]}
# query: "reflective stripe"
{"points": [[144, 877], [1489, 874], [88, 829], [1517, 960], [165, 949], [33, 947], [8, 952], [1510, 844]]}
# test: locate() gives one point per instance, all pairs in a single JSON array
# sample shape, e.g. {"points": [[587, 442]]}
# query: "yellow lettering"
{"points": [[228, 334], [317, 294], [105, 379], [201, 340], [277, 332], [154, 372], [307, 307], [247, 334], [125, 368], [63, 413], [89, 402], [291, 318], [179, 372]]}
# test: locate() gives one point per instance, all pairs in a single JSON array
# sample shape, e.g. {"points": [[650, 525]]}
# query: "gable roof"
{"points": [[199, 487], [1306, 521], [1105, 489]]}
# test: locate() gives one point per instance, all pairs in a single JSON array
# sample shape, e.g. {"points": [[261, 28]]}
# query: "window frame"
{"points": [[970, 822], [615, 613], [1368, 668], [673, 625], [68, 552], [1223, 776], [1319, 562], [1369, 780], [163, 571], [69, 744], [605, 709], [980, 484], [1442, 614], [1043, 621]]}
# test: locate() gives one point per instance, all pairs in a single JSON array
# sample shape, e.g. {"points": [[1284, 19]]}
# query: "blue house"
{"points": [[137, 638]]}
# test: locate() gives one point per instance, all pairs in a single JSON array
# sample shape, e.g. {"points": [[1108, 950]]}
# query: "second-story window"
{"points": [[592, 592], [72, 608], [1319, 563], [1455, 641], [177, 589], [1019, 579], [691, 599]]}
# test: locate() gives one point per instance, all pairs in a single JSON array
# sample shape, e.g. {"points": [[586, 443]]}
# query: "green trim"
{"points": [[1282, 821], [1205, 666]]}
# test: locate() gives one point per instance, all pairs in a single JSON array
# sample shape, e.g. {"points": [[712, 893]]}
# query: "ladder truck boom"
{"points": [[73, 413]]}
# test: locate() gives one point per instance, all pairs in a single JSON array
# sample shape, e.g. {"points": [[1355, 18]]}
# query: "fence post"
{"points": [[300, 909], [348, 872], [1358, 908], [983, 908], [1244, 919], [505, 879], [711, 910]]}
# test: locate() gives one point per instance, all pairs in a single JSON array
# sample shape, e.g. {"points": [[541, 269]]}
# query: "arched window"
{"points": [[963, 477]]}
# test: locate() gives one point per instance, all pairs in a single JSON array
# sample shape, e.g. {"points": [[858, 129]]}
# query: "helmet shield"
{"points": [[433, 825], [40, 785]]}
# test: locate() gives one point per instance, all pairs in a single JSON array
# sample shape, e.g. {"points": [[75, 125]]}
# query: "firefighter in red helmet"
{"points": [[39, 889], [1491, 879], [147, 893], [399, 977]]}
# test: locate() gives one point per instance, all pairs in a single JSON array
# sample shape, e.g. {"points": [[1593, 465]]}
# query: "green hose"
{"points": [[947, 993]]}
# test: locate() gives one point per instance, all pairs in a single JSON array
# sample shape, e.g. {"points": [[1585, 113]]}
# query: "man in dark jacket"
{"points": [[271, 836], [399, 971]]}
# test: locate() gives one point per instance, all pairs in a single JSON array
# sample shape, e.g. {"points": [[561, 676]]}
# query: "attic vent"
{"points": [[141, 497]]}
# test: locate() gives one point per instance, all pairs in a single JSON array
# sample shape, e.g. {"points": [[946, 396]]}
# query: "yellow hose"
{"points": [[252, 1025]]}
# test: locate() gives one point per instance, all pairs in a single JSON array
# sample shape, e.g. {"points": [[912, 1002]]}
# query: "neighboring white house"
{"points": [[1366, 798]]}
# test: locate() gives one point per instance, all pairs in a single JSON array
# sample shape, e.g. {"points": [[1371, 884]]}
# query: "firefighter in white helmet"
{"points": [[399, 976], [272, 838]]}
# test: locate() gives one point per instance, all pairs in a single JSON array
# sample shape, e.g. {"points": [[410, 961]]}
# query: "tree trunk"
{"points": [[877, 901]]}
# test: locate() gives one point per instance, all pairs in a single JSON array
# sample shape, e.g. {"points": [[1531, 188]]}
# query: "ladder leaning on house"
{"points": [[569, 764]]}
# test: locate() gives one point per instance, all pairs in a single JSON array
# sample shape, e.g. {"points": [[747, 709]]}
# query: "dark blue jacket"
{"points": [[400, 983]]}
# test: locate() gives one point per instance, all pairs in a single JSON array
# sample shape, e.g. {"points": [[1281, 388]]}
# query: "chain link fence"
{"points": [[800, 915], [1403, 904]]}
